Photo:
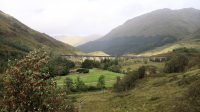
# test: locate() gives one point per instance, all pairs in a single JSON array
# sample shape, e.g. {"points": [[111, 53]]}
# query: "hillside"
{"points": [[192, 42], [98, 53], [17, 39], [147, 32], [159, 93]]}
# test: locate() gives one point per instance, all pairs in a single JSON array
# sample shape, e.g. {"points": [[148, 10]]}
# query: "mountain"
{"points": [[147, 32], [98, 53], [193, 41], [16, 39], [77, 40]]}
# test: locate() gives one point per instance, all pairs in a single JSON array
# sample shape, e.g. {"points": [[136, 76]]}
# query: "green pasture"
{"points": [[91, 78]]}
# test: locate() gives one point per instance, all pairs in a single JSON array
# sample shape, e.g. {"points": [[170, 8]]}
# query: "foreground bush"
{"points": [[27, 89]]}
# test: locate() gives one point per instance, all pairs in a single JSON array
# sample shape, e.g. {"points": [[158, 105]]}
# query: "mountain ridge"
{"points": [[13, 30], [17, 39], [147, 31]]}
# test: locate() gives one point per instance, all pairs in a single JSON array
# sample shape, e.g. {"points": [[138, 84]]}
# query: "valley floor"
{"points": [[92, 77]]}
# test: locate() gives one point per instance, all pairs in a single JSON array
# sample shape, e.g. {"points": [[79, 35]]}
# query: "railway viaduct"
{"points": [[92, 57]]}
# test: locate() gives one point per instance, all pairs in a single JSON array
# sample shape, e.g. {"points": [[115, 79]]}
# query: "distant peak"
{"points": [[189, 8], [165, 9], [4, 14], [1, 12], [184, 9], [161, 10]]}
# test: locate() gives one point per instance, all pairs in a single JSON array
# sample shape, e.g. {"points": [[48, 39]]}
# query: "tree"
{"points": [[101, 82], [111, 65], [69, 85], [177, 63], [89, 64], [59, 66], [27, 89], [96, 64], [141, 72], [70, 64], [118, 86]]}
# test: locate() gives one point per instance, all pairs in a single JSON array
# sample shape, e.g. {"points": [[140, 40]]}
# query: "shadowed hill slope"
{"points": [[16, 39], [147, 32]]}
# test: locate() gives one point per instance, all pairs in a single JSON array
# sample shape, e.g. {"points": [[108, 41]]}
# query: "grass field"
{"points": [[91, 78]]}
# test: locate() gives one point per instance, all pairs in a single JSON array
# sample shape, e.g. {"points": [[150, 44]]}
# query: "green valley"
{"points": [[151, 63]]}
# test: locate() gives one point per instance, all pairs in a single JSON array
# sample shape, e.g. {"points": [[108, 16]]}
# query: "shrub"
{"points": [[118, 87], [101, 82], [82, 70], [28, 89], [69, 85], [115, 68], [149, 70], [80, 85], [141, 72], [177, 63], [127, 82], [93, 88]]}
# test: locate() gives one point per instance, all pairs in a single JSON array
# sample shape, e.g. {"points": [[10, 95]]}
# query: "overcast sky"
{"points": [[84, 17]]}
